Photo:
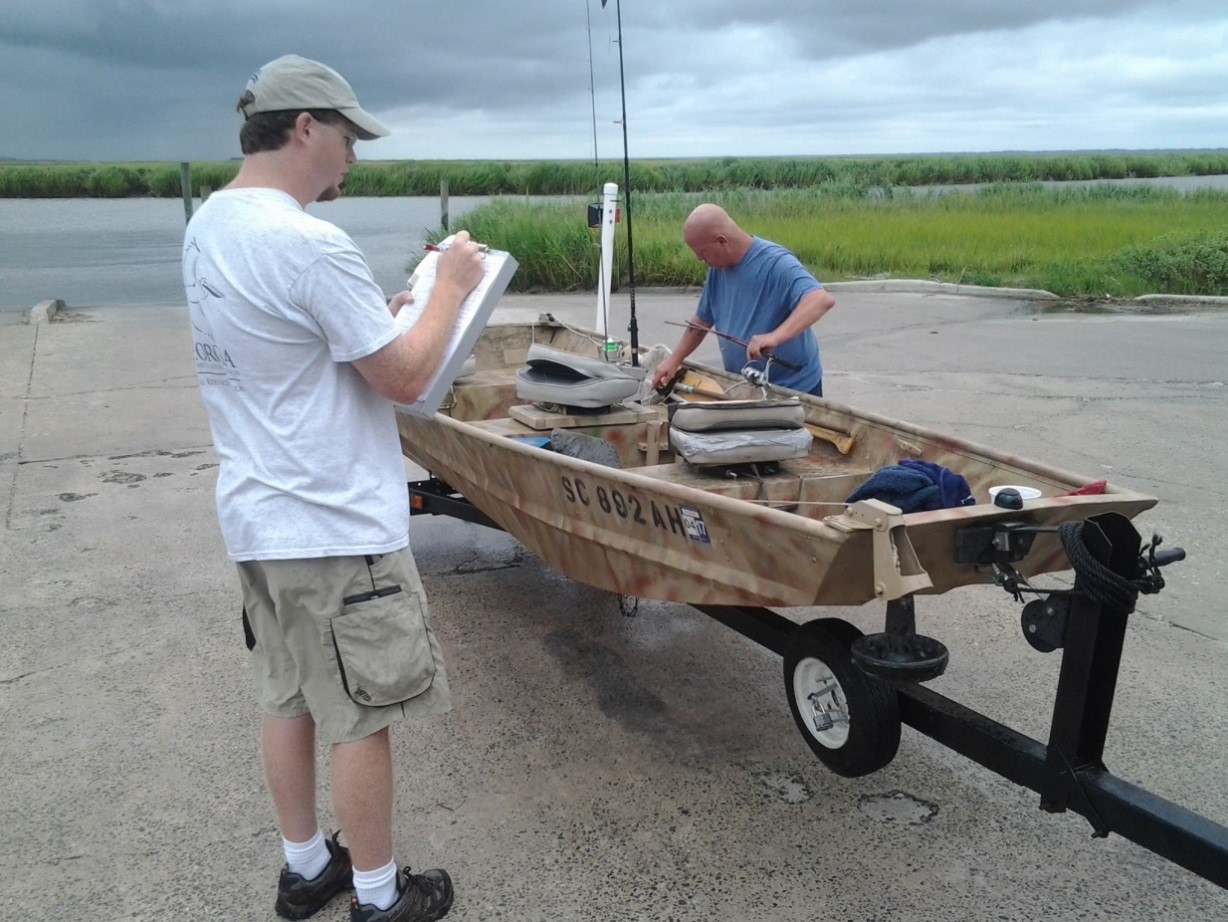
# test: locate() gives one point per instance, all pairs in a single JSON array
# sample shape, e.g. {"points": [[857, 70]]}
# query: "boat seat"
{"points": [[732, 432], [558, 378]]}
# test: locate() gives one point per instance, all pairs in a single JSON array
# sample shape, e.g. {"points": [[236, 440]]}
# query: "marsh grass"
{"points": [[1082, 243], [108, 180]]}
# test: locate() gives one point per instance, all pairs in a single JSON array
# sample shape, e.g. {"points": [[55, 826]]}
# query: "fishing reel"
{"points": [[755, 376], [758, 377]]}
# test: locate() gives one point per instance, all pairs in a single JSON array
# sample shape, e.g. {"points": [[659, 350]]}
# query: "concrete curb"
{"points": [[921, 286], [1208, 300], [898, 286], [44, 311]]}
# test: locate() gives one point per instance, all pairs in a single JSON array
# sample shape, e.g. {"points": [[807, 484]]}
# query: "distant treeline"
{"points": [[575, 177]]}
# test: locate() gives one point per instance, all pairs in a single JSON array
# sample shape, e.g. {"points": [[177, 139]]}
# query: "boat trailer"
{"points": [[850, 693]]}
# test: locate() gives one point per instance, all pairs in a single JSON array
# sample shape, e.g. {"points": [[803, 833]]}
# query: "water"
{"points": [[1180, 183], [125, 252]]}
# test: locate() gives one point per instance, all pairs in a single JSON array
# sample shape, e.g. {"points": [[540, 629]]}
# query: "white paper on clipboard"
{"points": [[498, 268]]}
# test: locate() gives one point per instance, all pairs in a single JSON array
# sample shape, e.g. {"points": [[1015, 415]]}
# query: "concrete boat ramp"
{"points": [[596, 766]]}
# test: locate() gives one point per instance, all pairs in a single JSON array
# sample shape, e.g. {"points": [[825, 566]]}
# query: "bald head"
{"points": [[714, 237]]}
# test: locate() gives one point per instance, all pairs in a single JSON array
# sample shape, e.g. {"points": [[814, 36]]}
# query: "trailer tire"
{"points": [[858, 717]]}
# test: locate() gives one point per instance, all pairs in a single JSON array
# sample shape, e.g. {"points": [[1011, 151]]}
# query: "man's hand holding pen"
{"points": [[460, 263], [437, 248]]}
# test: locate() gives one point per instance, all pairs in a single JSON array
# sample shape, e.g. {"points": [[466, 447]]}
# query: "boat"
{"points": [[777, 534]]}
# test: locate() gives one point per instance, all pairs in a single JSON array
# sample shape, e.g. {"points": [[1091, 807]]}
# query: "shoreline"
{"points": [[57, 310]]}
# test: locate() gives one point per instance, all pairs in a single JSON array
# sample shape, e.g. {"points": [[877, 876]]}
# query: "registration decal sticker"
{"points": [[693, 522]]}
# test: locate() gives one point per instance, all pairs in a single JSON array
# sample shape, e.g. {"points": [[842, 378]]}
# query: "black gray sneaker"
{"points": [[299, 898], [421, 898]]}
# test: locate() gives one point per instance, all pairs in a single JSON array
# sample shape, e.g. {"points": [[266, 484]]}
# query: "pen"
{"points": [[436, 248]]}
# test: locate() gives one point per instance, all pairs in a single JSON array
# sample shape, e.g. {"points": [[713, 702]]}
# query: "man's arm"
{"points": [[403, 368], [691, 338], [812, 306]]}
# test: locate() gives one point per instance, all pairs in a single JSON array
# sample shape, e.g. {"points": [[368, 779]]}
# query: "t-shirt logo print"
{"points": [[214, 366], [198, 289]]}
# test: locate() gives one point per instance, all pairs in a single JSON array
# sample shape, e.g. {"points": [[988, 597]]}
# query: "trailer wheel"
{"points": [[849, 719]]}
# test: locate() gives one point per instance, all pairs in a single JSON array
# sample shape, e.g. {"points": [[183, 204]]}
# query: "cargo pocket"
{"points": [[383, 648]]}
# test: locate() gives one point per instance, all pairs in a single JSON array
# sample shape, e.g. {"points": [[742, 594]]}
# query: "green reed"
{"points": [[1095, 242]]}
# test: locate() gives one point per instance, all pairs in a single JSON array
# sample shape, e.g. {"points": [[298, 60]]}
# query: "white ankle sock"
{"points": [[307, 858], [377, 888]]}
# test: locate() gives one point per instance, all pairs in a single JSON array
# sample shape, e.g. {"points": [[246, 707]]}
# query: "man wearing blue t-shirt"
{"points": [[755, 291]]}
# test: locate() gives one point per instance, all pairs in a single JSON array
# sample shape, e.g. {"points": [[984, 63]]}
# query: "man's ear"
{"points": [[303, 124]]}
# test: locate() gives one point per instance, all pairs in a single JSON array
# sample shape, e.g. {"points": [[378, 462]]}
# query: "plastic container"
{"points": [[1025, 493]]}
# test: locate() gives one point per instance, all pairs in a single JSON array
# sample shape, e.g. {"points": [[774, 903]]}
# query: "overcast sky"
{"points": [[480, 79]]}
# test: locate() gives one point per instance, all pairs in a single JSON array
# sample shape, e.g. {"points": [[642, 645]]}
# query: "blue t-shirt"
{"points": [[755, 296]]}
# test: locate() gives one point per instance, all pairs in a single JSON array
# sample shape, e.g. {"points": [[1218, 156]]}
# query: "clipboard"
{"points": [[498, 268]]}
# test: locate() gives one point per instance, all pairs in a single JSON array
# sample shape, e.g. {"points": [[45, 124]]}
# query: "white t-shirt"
{"points": [[281, 303]]}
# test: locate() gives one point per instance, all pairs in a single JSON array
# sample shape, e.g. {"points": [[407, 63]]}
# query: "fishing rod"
{"points": [[592, 93], [633, 326], [733, 339]]}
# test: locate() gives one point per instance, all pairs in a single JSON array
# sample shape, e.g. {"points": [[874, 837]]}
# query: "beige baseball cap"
{"points": [[292, 82]]}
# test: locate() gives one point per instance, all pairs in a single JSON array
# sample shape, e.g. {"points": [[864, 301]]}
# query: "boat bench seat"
{"points": [[809, 486], [732, 432]]}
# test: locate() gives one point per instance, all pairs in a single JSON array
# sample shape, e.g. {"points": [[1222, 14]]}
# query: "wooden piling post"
{"points": [[185, 183]]}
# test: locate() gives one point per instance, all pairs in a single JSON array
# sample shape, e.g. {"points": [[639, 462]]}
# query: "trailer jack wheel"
{"points": [[899, 654], [850, 720], [895, 658]]}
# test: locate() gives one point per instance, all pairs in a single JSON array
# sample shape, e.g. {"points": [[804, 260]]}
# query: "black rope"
{"points": [[1095, 581]]}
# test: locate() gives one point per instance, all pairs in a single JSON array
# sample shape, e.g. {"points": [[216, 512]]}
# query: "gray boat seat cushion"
{"points": [[785, 413], [740, 446], [556, 377], [740, 431]]}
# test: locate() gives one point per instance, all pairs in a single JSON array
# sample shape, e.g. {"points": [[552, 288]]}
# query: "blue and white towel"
{"points": [[915, 486]]}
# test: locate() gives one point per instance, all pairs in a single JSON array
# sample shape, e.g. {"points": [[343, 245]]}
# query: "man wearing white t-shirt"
{"points": [[299, 361]]}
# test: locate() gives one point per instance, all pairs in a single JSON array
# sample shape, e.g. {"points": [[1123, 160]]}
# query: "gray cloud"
{"points": [[157, 79]]}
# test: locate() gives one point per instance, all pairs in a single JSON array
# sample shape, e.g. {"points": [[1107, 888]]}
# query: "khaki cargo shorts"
{"points": [[347, 640]]}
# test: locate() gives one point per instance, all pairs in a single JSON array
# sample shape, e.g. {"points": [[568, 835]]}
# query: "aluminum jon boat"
{"points": [[775, 534]]}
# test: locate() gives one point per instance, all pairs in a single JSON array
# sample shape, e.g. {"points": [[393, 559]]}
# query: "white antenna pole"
{"points": [[609, 216]]}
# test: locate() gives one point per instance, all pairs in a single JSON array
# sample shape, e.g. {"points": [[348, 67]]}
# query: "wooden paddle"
{"points": [[691, 386], [842, 440]]}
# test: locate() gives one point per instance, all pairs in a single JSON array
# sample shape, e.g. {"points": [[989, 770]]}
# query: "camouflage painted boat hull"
{"points": [[658, 528]]}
